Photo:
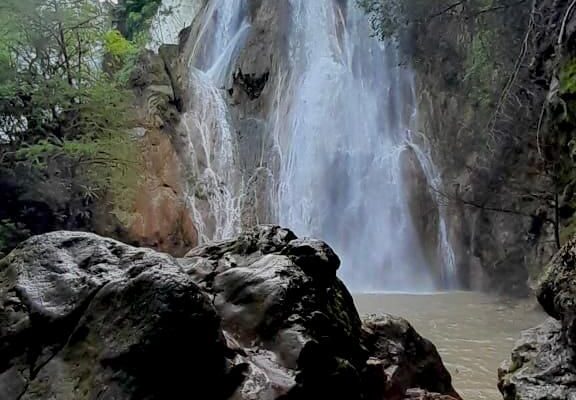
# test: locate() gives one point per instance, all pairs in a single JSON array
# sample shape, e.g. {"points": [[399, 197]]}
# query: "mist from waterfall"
{"points": [[349, 114]]}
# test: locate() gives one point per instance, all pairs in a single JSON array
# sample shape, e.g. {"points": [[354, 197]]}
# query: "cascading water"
{"points": [[214, 186], [341, 121], [220, 37], [434, 180], [348, 119]]}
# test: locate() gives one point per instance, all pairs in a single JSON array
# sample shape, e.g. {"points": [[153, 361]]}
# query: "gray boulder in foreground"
{"points": [[260, 317], [541, 366], [82, 317]]}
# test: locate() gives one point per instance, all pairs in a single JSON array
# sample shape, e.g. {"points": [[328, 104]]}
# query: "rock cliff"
{"points": [[161, 217], [488, 82]]}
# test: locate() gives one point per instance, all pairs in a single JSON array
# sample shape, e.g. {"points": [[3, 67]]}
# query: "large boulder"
{"points": [[404, 360], [259, 317], [557, 289], [82, 317], [280, 293], [543, 365]]}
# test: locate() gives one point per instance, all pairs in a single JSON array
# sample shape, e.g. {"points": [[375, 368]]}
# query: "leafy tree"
{"points": [[121, 54], [64, 116]]}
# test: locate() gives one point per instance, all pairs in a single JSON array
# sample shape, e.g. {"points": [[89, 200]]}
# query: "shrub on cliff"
{"points": [[134, 16]]}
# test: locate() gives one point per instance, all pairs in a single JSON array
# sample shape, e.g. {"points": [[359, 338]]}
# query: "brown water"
{"points": [[473, 332]]}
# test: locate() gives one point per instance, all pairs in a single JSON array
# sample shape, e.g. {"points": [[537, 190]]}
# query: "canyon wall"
{"points": [[489, 85]]}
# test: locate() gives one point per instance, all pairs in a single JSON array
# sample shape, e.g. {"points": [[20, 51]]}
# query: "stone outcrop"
{"points": [[82, 317], [264, 316], [543, 362], [556, 291], [542, 366], [160, 218], [405, 358], [279, 293]]}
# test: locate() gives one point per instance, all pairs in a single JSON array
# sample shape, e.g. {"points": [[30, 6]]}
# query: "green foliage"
{"points": [[11, 234], [116, 44], [393, 18], [563, 108], [568, 77], [65, 120], [122, 54], [386, 17], [480, 67], [136, 15]]}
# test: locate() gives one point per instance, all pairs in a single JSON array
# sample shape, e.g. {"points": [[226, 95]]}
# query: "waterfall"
{"points": [[434, 180], [212, 191], [213, 185], [341, 113], [348, 121]]}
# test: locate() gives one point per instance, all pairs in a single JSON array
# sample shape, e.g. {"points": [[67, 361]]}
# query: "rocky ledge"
{"points": [[260, 317], [543, 362]]}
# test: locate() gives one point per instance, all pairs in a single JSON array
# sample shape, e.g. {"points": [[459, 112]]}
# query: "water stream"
{"points": [[214, 187]]}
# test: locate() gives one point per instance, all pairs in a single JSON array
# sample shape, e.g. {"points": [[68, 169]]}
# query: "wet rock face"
{"points": [[251, 84], [257, 81], [557, 292], [278, 291], [543, 365], [281, 294], [83, 317], [161, 218], [404, 359], [263, 315]]}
